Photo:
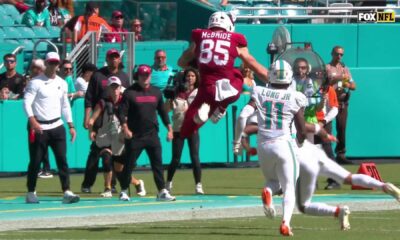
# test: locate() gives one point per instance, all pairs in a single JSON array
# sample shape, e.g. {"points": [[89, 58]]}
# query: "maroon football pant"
{"points": [[205, 94]]}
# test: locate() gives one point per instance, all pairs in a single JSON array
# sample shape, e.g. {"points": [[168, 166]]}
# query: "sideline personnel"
{"points": [[45, 100]]}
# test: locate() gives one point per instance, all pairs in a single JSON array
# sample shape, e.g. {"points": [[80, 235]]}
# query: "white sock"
{"points": [[288, 204], [319, 209], [366, 181], [246, 112], [68, 192]]}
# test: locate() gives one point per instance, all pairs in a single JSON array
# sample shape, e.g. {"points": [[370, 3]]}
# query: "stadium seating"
{"points": [[54, 31], [41, 32], [6, 20], [26, 32], [265, 12], [12, 33], [27, 43], [339, 12], [2, 34], [11, 10], [294, 12]]}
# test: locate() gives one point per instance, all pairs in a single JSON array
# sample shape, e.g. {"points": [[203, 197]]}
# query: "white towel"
{"points": [[224, 90]]}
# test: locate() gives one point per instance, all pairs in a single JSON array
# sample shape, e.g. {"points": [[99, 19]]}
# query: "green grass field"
{"points": [[244, 181]]}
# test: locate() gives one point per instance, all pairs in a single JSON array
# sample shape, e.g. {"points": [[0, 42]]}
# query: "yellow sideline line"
{"points": [[100, 206]]}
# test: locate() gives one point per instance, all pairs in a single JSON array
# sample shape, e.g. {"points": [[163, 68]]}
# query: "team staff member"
{"points": [[95, 92], [138, 116], [45, 100]]}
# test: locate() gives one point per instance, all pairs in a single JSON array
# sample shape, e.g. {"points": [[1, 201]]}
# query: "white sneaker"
{"points": [[106, 194], [202, 114], [168, 186], [31, 198], [217, 115], [269, 209], [70, 197], [123, 196], [344, 213], [237, 148], [199, 189], [392, 190], [140, 190], [164, 196]]}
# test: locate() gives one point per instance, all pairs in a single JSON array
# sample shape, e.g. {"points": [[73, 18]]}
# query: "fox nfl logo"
{"points": [[380, 17]]}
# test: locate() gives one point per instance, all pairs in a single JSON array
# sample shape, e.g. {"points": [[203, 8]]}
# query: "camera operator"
{"points": [[179, 96]]}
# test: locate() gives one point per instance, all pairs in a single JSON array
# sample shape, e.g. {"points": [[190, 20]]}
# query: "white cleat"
{"points": [[70, 197], [140, 190], [237, 148], [344, 213], [168, 186], [202, 114], [123, 196], [164, 196], [392, 190], [106, 194], [217, 115], [31, 198], [199, 189], [268, 205]]}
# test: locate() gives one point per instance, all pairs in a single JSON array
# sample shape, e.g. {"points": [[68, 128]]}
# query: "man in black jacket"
{"points": [[95, 92], [138, 116]]}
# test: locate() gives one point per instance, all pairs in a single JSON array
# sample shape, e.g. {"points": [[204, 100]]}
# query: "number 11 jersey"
{"points": [[276, 110]]}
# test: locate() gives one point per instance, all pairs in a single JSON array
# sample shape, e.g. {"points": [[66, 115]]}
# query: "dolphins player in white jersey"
{"points": [[277, 108], [313, 163]]}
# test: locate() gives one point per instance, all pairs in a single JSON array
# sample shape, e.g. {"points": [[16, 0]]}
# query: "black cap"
{"points": [[90, 6], [89, 67]]}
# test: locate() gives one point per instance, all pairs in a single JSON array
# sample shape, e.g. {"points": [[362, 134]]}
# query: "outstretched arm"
{"points": [[255, 66], [187, 56]]}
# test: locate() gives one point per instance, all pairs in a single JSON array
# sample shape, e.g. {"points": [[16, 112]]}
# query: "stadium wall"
{"points": [[371, 53]]}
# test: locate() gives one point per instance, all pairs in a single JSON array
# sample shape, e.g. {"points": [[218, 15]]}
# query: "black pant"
{"points": [[45, 161], [56, 139], [177, 147], [92, 167], [341, 123], [134, 147]]}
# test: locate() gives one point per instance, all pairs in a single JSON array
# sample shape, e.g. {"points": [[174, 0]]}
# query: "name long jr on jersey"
{"points": [[220, 35], [275, 95], [276, 110]]}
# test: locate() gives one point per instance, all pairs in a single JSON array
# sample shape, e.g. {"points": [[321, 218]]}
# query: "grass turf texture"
{"points": [[247, 181], [382, 225]]}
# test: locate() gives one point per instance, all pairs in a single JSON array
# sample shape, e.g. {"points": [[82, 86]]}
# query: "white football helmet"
{"points": [[281, 72], [221, 20]]}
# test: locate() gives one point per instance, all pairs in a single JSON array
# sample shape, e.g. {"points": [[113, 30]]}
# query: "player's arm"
{"points": [[250, 61], [320, 131], [187, 56], [300, 126]]}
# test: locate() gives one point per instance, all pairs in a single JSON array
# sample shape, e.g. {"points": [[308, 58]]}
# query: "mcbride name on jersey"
{"points": [[216, 53], [276, 109]]}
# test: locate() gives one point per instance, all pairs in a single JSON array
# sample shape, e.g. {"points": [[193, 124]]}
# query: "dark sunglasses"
{"points": [[161, 57], [302, 67], [69, 69], [118, 17], [339, 54], [9, 61]]}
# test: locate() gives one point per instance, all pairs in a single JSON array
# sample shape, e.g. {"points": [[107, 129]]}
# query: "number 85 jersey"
{"points": [[216, 53], [276, 110]]}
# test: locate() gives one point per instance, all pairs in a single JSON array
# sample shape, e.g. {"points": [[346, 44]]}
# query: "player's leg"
{"points": [[272, 186], [196, 115], [288, 172], [177, 147], [105, 155], [241, 122]]}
